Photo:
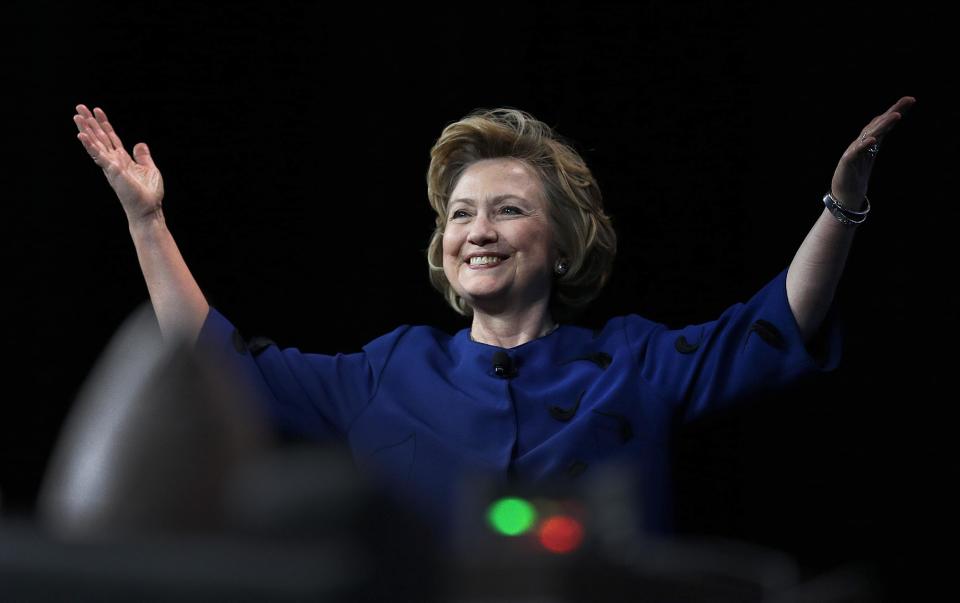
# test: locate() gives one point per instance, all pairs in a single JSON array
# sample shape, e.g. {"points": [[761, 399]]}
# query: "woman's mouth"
{"points": [[486, 262]]}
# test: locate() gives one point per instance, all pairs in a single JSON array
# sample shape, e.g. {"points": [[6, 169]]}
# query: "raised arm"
{"points": [[816, 268], [177, 300]]}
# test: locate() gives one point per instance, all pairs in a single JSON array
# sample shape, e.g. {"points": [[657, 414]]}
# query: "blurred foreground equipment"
{"points": [[153, 436], [582, 540], [168, 485]]}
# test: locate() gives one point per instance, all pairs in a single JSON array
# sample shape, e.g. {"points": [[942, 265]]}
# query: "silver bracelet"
{"points": [[845, 216]]}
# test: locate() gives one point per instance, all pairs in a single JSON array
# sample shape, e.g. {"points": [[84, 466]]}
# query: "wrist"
{"points": [[848, 205], [846, 215], [149, 221]]}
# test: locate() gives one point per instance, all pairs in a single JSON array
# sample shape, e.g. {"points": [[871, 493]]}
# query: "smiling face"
{"points": [[498, 208]]}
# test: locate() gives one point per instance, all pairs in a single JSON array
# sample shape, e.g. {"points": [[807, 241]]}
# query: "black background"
{"points": [[293, 141]]}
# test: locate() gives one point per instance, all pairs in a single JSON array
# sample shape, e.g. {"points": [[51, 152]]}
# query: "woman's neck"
{"points": [[509, 330]]}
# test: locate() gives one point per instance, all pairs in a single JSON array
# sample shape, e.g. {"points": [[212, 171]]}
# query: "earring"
{"points": [[561, 267]]}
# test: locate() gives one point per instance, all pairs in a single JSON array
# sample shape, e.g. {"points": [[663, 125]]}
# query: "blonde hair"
{"points": [[583, 233]]}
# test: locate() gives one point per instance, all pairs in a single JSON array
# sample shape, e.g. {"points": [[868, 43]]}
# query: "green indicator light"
{"points": [[511, 516]]}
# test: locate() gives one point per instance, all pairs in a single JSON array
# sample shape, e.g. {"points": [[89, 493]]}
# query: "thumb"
{"points": [[141, 153]]}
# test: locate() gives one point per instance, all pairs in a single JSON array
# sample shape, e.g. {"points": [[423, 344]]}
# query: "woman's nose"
{"points": [[481, 230]]}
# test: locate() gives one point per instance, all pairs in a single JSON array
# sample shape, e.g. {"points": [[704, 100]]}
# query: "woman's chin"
{"points": [[481, 297]]}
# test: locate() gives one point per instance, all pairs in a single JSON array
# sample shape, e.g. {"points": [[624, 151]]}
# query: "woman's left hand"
{"points": [[849, 185]]}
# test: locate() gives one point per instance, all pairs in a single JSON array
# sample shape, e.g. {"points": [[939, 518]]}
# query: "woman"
{"points": [[521, 245]]}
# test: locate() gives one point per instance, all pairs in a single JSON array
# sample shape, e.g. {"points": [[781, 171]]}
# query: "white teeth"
{"points": [[486, 259]]}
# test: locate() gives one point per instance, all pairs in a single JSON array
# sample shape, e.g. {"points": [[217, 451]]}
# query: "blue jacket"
{"points": [[425, 410]]}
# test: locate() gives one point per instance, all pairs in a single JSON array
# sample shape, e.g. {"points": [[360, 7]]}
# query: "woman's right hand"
{"points": [[136, 180]]}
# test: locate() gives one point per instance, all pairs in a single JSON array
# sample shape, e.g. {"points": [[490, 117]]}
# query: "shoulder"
{"points": [[630, 333], [408, 339], [627, 329], [651, 342]]}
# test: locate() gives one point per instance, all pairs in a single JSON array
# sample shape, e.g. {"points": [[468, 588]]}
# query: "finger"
{"points": [[899, 107], [873, 122], [105, 124], [886, 125], [82, 110], [92, 144], [93, 149], [96, 131], [892, 115], [141, 152], [903, 105], [881, 125], [101, 118], [78, 120], [889, 122]]}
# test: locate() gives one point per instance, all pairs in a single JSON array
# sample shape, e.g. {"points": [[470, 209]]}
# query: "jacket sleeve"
{"points": [[752, 347], [313, 395]]}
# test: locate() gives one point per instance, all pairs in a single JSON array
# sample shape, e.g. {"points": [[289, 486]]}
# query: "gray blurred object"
{"points": [[617, 560], [154, 435], [188, 569], [167, 485]]}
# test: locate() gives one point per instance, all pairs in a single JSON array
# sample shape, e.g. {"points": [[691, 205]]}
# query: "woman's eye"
{"points": [[457, 213]]}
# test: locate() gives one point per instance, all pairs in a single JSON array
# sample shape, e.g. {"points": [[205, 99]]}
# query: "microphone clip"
{"points": [[503, 365]]}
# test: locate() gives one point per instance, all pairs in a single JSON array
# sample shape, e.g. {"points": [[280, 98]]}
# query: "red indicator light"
{"points": [[560, 534]]}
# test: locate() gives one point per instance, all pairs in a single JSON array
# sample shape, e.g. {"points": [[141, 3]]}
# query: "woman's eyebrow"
{"points": [[496, 199]]}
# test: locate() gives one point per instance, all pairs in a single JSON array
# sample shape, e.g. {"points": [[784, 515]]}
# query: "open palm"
{"points": [[850, 180], [136, 180]]}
